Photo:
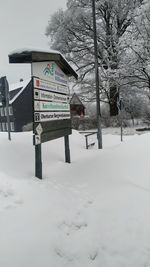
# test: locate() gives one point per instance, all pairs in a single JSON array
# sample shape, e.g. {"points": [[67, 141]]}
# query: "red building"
{"points": [[76, 106]]}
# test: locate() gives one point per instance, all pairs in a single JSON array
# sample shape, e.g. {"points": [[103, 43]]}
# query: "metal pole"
{"points": [[67, 149], [7, 107], [99, 131]]}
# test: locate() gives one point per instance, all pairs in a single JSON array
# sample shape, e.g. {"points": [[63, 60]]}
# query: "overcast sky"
{"points": [[22, 25]]}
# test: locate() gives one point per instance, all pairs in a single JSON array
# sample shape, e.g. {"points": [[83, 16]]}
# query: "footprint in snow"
{"points": [[8, 198]]}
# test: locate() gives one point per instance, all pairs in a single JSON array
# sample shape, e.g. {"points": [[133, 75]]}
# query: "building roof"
{"points": [[16, 89], [33, 55], [75, 100]]}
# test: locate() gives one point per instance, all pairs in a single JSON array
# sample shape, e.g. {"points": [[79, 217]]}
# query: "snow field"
{"points": [[92, 212]]}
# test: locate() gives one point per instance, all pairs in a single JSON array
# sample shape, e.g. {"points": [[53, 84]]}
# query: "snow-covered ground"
{"points": [[94, 212]]}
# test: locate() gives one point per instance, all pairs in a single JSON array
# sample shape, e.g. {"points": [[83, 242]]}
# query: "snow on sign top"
{"points": [[31, 49], [38, 55]]}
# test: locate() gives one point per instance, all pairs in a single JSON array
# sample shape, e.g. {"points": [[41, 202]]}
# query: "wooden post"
{"points": [[67, 149], [38, 161]]}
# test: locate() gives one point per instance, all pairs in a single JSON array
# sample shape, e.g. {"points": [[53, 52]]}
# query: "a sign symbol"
{"points": [[37, 105], [37, 82], [37, 117], [36, 94], [49, 69], [39, 129], [37, 139]]}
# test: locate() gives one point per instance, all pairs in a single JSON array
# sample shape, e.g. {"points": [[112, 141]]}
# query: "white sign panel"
{"points": [[49, 71], [43, 106], [50, 96], [50, 116], [49, 86]]}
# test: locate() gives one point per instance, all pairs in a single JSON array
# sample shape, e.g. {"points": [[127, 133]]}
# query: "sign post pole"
{"points": [[4, 95], [67, 149], [38, 161], [7, 107]]}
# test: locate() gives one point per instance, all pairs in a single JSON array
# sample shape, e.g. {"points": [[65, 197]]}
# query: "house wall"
{"points": [[22, 108], [20, 111], [3, 119], [77, 110]]}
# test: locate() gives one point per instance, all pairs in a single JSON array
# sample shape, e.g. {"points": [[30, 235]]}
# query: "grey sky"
{"points": [[22, 25]]}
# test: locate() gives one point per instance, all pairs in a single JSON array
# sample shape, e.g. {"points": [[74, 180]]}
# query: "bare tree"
{"points": [[71, 32], [136, 59]]}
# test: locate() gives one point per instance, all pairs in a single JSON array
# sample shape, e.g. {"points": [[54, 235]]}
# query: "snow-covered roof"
{"points": [[29, 55], [75, 100], [31, 49], [16, 89], [18, 84]]}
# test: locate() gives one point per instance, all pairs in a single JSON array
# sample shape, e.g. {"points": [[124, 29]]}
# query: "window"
{"points": [[2, 112], [5, 111], [12, 127], [10, 110], [0, 127], [4, 126]]}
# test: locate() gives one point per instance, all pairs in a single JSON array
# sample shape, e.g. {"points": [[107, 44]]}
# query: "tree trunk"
{"points": [[113, 100]]}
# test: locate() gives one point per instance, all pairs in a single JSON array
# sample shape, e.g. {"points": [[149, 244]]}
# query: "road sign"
{"points": [[50, 96], [50, 86], [45, 106], [51, 107], [51, 116], [50, 72]]}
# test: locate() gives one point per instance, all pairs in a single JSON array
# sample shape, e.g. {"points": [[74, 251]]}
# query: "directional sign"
{"points": [[51, 108], [45, 106], [50, 96], [50, 116], [50, 86]]}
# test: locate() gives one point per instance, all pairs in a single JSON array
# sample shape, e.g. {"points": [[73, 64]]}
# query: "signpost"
{"points": [[51, 105], [51, 108]]}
